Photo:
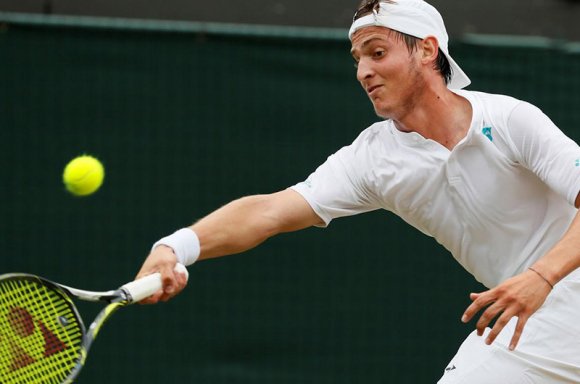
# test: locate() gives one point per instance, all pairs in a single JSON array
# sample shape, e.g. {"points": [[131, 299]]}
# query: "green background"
{"points": [[187, 120]]}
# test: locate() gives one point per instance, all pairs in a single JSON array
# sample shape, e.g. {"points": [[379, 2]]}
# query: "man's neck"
{"points": [[439, 115]]}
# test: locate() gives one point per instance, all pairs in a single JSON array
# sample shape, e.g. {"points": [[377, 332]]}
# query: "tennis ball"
{"points": [[83, 175]]}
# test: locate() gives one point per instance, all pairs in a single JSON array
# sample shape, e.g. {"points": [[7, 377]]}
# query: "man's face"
{"points": [[387, 71]]}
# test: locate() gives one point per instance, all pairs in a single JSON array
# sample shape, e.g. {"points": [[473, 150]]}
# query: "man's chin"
{"points": [[382, 113]]}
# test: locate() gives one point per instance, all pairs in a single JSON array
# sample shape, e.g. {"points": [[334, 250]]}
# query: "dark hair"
{"points": [[441, 64], [368, 6]]}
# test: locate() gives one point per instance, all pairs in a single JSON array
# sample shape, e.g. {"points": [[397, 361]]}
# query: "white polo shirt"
{"points": [[498, 201]]}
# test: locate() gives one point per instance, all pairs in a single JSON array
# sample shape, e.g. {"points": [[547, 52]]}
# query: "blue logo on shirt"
{"points": [[487, 132]]}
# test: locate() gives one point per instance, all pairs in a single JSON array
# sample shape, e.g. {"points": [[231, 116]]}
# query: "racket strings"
{"points": [[40, 333]]}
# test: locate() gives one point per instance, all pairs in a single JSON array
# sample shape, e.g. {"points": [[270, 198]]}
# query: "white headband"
{"points": [[418, 19]]}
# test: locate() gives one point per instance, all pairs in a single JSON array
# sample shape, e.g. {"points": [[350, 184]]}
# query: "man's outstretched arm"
{"points": [[236, 227]]}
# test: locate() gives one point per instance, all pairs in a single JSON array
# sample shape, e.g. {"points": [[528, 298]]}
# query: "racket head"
{"points": [[41, 332]]}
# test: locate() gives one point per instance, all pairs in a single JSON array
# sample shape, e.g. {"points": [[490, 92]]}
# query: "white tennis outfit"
{"points": [[498, 201]]}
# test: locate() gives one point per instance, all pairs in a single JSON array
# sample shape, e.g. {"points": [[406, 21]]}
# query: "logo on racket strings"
{"points": [[24, 327]]}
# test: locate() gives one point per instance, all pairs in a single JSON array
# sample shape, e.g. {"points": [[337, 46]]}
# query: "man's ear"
{"points": [[430, 50]]}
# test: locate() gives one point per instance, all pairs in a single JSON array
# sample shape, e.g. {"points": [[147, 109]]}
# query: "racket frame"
{"points": [[125, 295]]}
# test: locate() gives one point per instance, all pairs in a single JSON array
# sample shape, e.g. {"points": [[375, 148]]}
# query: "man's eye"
{"points": [[380, 53]]}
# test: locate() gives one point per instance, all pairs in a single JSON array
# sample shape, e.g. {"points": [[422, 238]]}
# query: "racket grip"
{"points": [[148, 285], [143, 288]]}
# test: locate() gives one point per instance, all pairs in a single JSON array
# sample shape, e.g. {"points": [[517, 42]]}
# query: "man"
{"points": [[490, 177]]}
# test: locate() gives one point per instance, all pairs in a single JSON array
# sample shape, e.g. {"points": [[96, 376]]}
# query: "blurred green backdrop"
{"points": [[187, 119]]}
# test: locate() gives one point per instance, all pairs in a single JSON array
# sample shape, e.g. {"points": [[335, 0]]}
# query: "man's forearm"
{"points": [[235, 227], [249, 221], [564, 257]]}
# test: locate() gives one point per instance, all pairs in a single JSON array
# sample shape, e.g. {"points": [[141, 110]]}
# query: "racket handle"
{"points": [[144, 287], [148, 285]]}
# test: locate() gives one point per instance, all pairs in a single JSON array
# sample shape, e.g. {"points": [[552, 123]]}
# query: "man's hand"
{"points": [[520, 296], [163, 260]]}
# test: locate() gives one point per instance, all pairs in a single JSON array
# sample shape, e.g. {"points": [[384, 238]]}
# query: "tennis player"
{"points": [[491, 178]]}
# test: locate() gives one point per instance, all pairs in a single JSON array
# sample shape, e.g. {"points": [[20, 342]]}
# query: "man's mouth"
{"points": [[372, 88]]}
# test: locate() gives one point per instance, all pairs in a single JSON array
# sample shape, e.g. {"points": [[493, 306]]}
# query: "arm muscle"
{"points": [[249, 221]]}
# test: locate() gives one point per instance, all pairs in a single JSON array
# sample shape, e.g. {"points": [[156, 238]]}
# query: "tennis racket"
{"points": [[42, 336]]}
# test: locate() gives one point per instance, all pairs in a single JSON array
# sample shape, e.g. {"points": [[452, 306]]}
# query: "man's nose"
{"points": [[364, 70]]}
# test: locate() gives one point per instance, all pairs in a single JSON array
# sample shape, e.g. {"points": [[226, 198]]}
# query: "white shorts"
{"points": [[548, 351]]}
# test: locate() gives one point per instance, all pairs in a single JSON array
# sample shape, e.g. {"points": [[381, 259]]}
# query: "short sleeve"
{"points": [[336, 188], [545, 150]]}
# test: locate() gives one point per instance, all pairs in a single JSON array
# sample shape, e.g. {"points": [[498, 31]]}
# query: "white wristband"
{"points": [[185, 245]]}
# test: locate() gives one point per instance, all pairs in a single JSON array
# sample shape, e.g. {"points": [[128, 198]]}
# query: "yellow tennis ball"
{"points": [[83, 175]]}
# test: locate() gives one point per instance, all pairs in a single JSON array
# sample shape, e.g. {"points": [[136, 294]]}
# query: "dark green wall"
{"points": [[185, 122]]}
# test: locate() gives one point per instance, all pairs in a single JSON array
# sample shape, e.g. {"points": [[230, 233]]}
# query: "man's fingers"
{"points": [[169, 282], [519, 296], [173, 281], [522, 320], [157, 296], [173, 275], [153, 299], [487, 316], [181, 275], [480, 300], [499, 325]]}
